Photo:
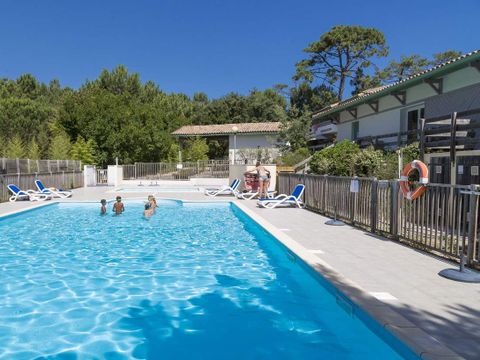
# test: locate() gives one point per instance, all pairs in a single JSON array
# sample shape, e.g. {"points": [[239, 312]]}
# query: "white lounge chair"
{"points": [[58, 193], [285, 200], [225, 190], [249, 195], [31, 195]]}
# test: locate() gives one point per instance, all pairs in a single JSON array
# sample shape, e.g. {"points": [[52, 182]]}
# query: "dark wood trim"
{"points": [[476, 64], [373, 105], [453, 138], [436, 84], [353, 112], [401, 96]]}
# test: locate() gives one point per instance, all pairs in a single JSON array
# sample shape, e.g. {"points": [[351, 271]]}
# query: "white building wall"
{"points": [[383, 123], [252, 141], [250, 147], [461, 78]]}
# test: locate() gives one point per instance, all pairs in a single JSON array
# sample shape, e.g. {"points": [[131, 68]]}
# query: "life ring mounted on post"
{"points": [[423, 180]]}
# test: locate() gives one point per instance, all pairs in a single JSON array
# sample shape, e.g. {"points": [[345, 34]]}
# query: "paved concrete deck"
{"points": [[400, 278]]}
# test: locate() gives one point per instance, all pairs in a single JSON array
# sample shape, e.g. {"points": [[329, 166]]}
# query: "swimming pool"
{"points": [[195, 281]]}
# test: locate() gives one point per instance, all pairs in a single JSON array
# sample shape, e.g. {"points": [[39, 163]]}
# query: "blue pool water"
{"points": [[192, 282]]}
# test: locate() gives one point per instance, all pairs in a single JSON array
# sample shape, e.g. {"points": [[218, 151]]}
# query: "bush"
{"points": [[336, 160], [347, 159], [294, 157]]}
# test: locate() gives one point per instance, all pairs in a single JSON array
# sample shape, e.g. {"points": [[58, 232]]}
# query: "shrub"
{"points": [[294, 157], [336, 160], [347, 159]]}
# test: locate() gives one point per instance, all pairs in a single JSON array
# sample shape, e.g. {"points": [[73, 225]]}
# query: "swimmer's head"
{"points": [[103, 202], [119, 198]]}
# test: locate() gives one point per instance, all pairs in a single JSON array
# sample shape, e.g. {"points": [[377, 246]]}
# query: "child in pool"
{"points": [[148, 210], [153, 202], [103, 208], [118, 206]]}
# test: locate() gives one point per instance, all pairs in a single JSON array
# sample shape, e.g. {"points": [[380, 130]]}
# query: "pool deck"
{"points": [[397, 285]]}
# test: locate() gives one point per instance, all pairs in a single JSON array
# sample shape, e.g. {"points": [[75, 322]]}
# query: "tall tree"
{"points": [[84, 151], [306, 98], [33, 150], [399, 70], [60, 147], [197, 149], [295, 130], [339, 54], [442, 57], [15, 148]]}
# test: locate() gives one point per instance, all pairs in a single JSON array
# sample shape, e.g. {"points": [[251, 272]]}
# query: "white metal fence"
{"points": [[174, 171]]}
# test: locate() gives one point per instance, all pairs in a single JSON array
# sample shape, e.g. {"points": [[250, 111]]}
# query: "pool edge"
{"points": [[420, 342]]}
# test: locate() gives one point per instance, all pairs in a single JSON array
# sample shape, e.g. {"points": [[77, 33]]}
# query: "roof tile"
{"points": [[226, 129]]}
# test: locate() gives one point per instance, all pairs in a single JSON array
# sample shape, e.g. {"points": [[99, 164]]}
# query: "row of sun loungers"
{"points": [[41, 194], [270, 202]]}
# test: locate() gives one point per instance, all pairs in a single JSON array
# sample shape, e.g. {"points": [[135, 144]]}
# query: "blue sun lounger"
{"points": [[58, 193], [295, 199], [31, 195]]}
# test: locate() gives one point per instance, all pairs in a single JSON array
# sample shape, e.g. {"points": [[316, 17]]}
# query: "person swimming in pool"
{"points": [[118, 206], [153, 202], [103, 208], [148, 211]]}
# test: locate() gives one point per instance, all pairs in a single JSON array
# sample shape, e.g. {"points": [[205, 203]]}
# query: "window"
{"points": [[355, 128], [413, 117]]}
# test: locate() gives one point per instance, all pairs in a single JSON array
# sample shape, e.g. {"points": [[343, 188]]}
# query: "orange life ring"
{"points": [[405, 184]]}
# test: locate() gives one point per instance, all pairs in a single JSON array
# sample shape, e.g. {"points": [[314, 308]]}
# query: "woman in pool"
{"points": [[153, 202], [263, 179], [148, 210]]}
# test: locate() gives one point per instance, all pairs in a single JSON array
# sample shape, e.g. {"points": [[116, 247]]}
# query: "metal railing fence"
{"points": [[444, 221], [63, 179], [172, 171], [29, 166]]}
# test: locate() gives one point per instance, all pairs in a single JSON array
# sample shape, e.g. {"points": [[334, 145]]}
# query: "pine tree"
{"points": [[84, 151], [15, 148], [60, 147], [197, 150], [33, 150]]}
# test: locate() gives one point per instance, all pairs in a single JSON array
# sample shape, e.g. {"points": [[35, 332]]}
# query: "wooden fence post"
{"points": [[373, 205], [472, 223], [394, 213]]}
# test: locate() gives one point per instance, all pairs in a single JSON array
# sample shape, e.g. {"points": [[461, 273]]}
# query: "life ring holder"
{"points": [[405, 184]]}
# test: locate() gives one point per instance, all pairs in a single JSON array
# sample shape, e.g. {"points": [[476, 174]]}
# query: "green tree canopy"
{"points": [[442, 57], [84, 151], [60, 147], [339, 53], [295, 130], [33, 150], [197, 149], [407, 66], [15, 148]]}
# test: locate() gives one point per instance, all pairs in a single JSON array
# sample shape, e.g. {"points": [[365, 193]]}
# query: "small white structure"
{"points": [[89, 175], [247, 142], [114, 175]]}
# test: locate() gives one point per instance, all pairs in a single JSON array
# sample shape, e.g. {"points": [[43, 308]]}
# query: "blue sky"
{"points": [[212, 46]]}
